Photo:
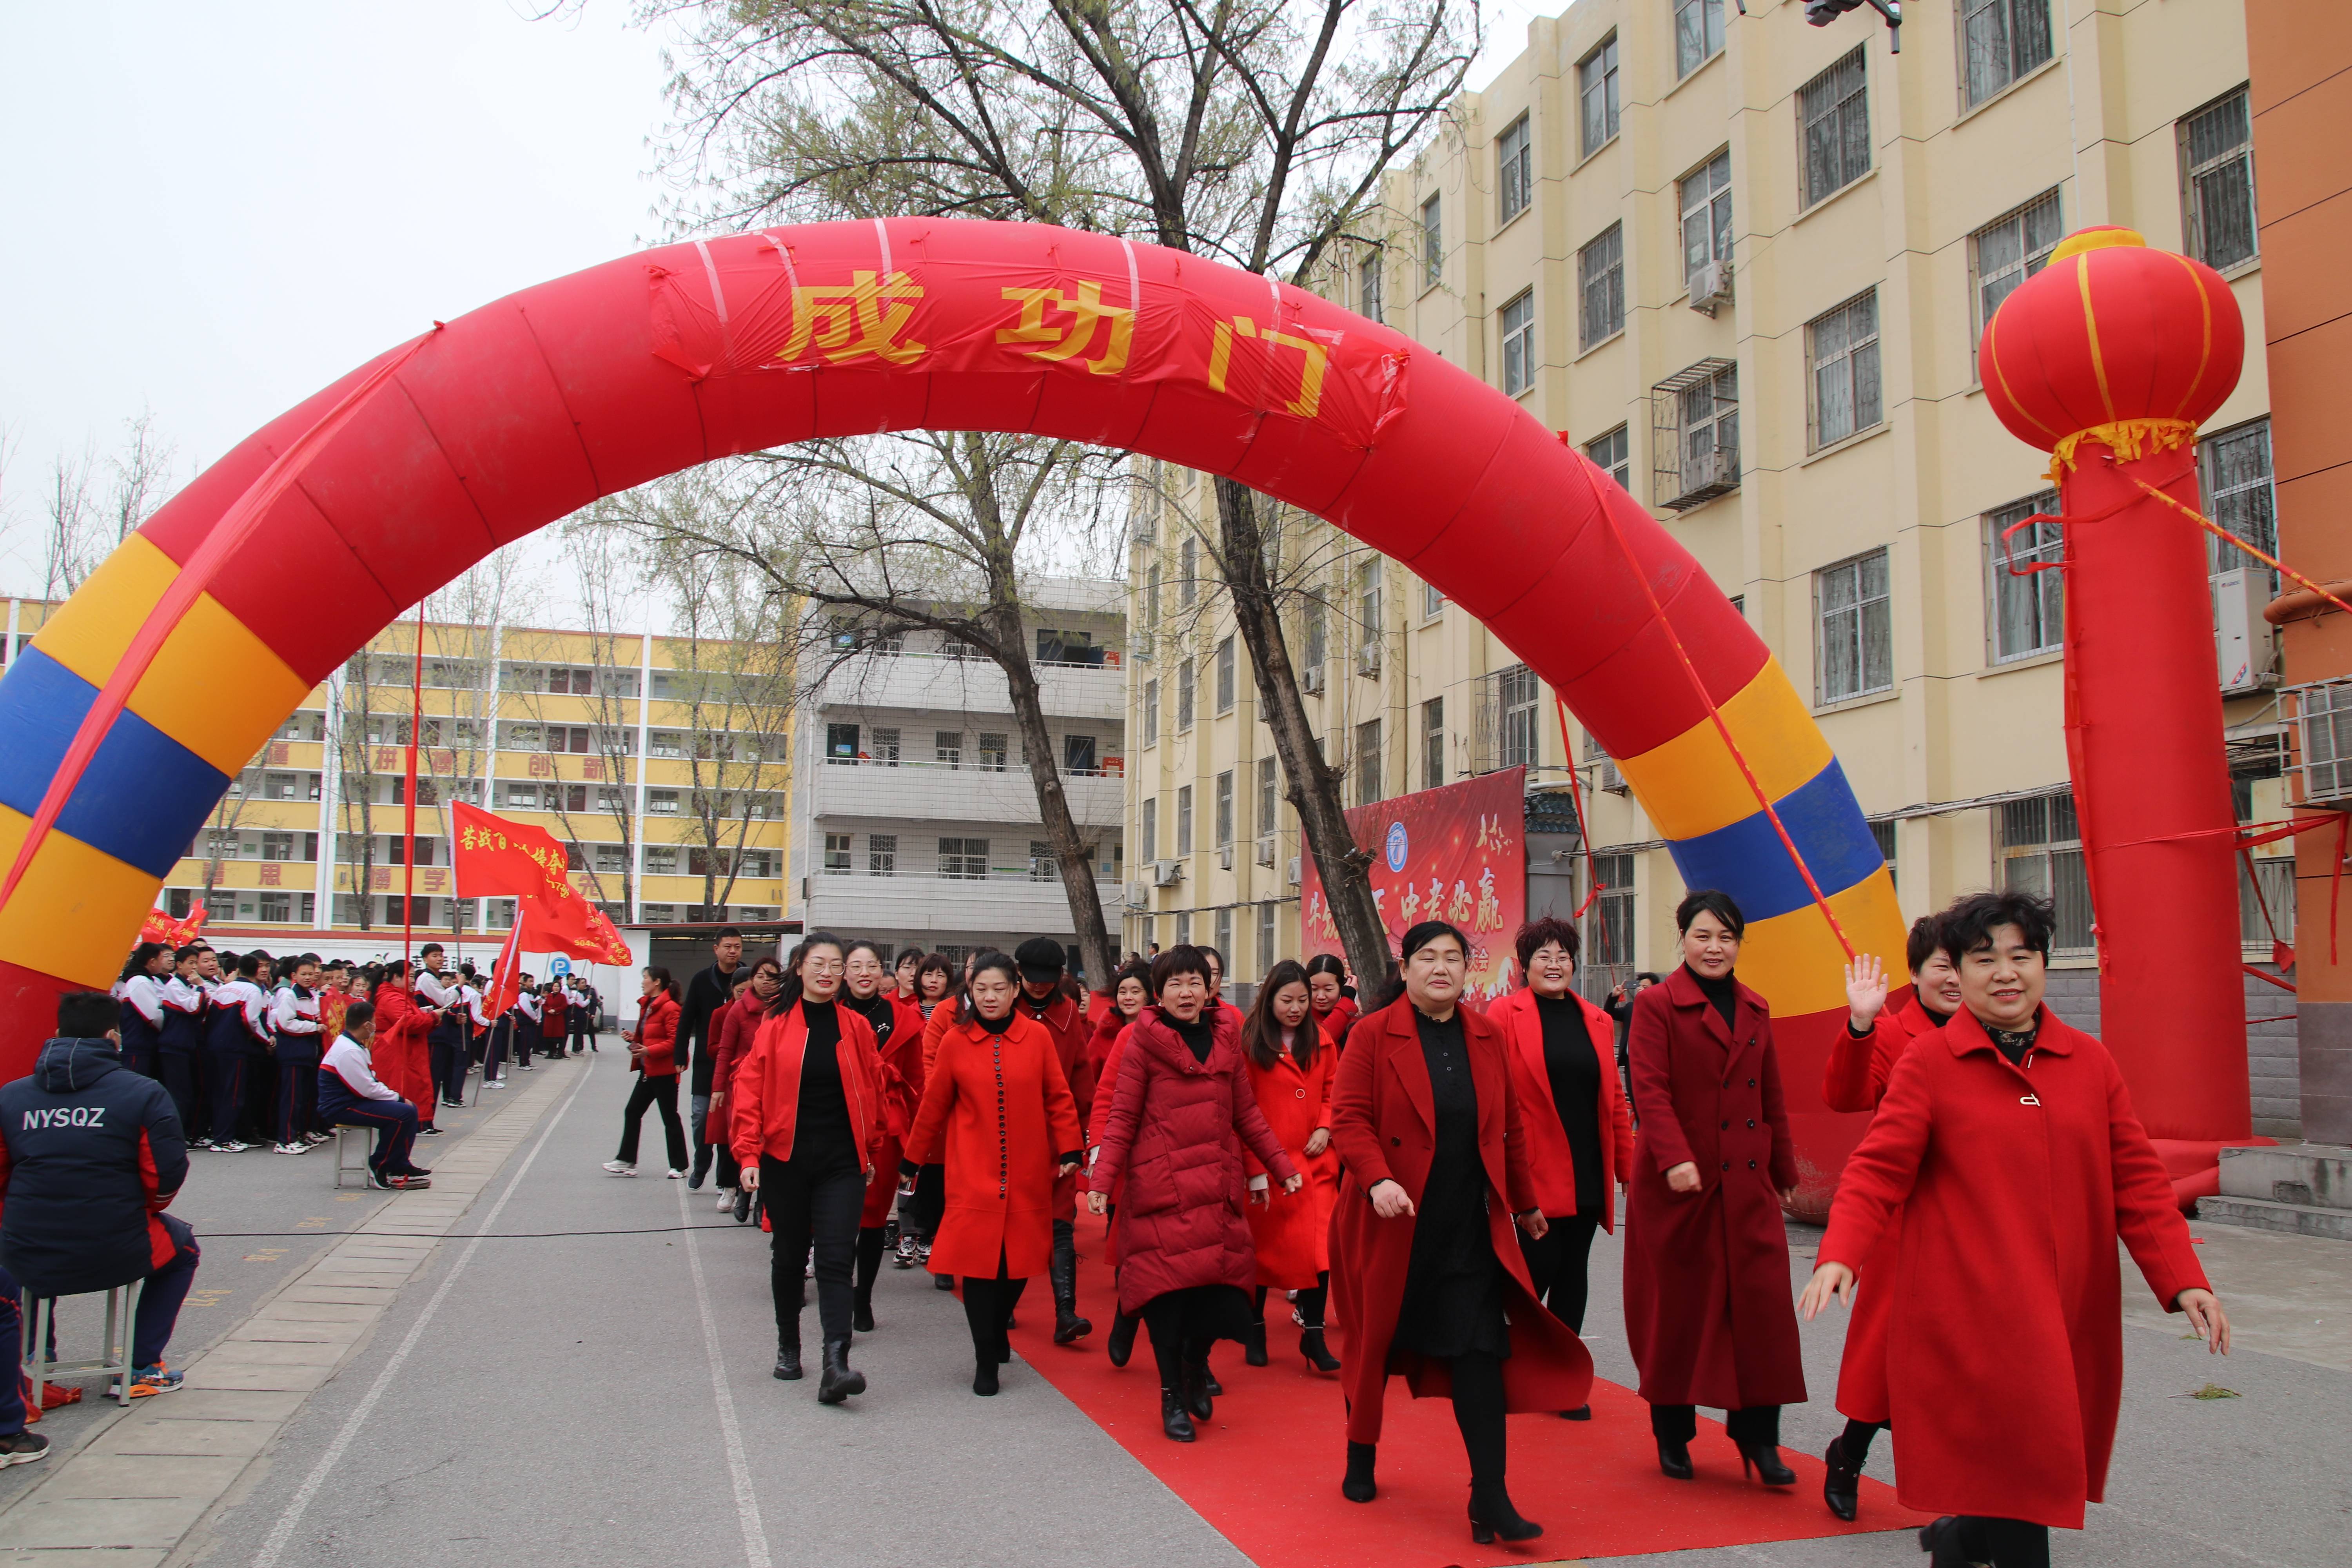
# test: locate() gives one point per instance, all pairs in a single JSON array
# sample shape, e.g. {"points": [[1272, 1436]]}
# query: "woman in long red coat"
{"points": [[1708, 1313], [398, 1055], [1335, 1010], [1114, 1018], [2009, 1141], [1861, 1061], [1426, 1279], [998, 1116], [1290, 1065], [1179, 1118], [734, 1027], [897, 1026], [1579, 1133]]}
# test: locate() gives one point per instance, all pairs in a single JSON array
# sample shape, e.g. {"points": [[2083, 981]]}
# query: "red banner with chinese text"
{"points": [[1456, 854], [494, 855]]}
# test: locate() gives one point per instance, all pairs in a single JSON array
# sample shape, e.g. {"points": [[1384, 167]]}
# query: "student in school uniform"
{"points": [[351, 1095]]}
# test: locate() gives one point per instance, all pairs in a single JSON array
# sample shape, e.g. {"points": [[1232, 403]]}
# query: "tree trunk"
{"points": [[1308, 783]]}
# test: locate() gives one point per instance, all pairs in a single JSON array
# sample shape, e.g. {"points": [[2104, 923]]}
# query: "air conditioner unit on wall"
{"points": [[1310, 679], [2245, 646], [1368, 658], [1710, 287], [1167, 873], [1294, 870], [1225, 856], [1610, 779], [1264, 856], [1139, 893]]}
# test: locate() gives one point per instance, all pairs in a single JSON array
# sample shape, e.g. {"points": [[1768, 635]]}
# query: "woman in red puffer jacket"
{"points": [[1181, 1112]]}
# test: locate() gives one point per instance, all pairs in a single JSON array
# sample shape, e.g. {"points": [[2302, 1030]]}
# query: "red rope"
{"points": [[1576, 797], [1714, 714]]}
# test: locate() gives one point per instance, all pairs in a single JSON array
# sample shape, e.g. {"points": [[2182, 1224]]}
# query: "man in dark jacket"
{"points": [[90, 1155], [708, 992], [1043, 962]]}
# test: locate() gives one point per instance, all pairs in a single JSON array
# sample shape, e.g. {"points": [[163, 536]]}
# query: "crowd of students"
{"points": [[1422, 1181], [255, 1048]]}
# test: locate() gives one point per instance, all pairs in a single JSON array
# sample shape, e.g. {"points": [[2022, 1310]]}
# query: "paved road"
{"points": [[587, 1398]]}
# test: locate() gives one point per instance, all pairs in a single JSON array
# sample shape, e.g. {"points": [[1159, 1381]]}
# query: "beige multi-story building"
{"points": [[663, 762], [1744, 264]]}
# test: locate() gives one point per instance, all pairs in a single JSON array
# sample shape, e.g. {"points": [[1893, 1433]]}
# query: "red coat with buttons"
{"points": [[1553, 1163], [2005, 1357], [1383, 1124], [1709, 1315], [1292, 1231], [998, 1114], [1856, 1080]]}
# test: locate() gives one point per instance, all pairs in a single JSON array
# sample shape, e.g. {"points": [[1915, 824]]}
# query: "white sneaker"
{"points": [[678, 1175], [494, 1083], [726, 1199], [231, 1147], [619, 1168], [291, 1148]]}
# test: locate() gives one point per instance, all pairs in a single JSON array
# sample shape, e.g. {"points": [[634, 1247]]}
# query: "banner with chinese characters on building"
{"points": [[1455, 854]]}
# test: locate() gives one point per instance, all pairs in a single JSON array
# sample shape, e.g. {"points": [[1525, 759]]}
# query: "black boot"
{"points": [[1174, 1419], [1842, 1482], [1941, 1540], [1064, 1272], [1358, 1485], [1492, 1516], [1318, 1354], [788, 1361], [1193, 1379], [861, 1312], [1122, 1337], [1254, 1344], [983, 1376], [1209, 1379], [1764, 1459], [840, 1379], [1674, 1459]]}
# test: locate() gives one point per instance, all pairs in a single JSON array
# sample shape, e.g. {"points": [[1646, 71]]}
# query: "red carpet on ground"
{"points": [[1266, 1470]]}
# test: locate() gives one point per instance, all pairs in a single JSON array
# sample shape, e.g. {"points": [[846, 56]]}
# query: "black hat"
{"points": [[1041, 958]]}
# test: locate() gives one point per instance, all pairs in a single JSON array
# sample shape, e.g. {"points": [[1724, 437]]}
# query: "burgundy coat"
{"points": [[1384, 1127], [1174, 1134], [1710, 1316]]}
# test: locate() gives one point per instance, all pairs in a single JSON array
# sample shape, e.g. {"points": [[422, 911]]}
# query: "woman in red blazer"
{"points": [[1114, 1018], [1179, 1118], [2009, 1141], [807, 1124], [1290, 1064], [897, 1026], [1335, 1011], [1861, 1061], [1708, 1313], [1579, 1133], [734, 1027], [1425, 1277], [998, 1116], [653, 1057]]}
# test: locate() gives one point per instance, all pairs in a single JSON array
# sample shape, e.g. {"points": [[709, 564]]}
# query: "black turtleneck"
{"points": [[875, 1010], [995, 1026], [1200, 1036], [822, 1140], [1722, 994], [2011, 1042]]}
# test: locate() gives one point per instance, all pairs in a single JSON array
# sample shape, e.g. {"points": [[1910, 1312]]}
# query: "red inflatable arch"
{"points": [[183, 653]]}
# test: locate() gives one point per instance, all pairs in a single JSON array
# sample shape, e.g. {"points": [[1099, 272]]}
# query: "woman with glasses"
{"points": [[897, 1026]]}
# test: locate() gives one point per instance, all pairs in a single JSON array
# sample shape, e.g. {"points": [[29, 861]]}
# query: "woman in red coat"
{"points": [[1579, 1133], [399, 1057], [997, 1115], [653, 1057], [1426, 1279], [1290, 1068], [1179, 1117], [807, 1122], [1335, 1011], [2009, 1142], [1861, 1061], [1114, 1019], [1707, 1314], [897, 1026], [734, 1027]]}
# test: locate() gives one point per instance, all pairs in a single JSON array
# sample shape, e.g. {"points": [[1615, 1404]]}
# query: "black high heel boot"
{"points": [[983, 1375], [1174, 1419], [1841, 1485], [1063, 1271], [788, 1361], [1209, 1379], [839, 1380], [1318, 1354], [1492, 1516], [1674, 1459], [1194, 1380], [1122, 1338], [1764, 1459], [1254, 1344], [1358, 1486], [1941, 1540]]}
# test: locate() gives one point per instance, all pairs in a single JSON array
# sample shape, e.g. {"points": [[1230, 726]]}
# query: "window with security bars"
{"points": [[881, 854], [1706, 214], [2041, 853], [1151, 827], [1833, 127], [1601, 288], [1432, 243], [1183, 820], [1433, 742], [1596, 92], [1514, 169], [2233, 470], [1518, 321], [994, 749], [2009, 250], [965, 859], [1613, 455], [2000, 41], [1514, 700], [1269, 797], [1842, 348], [2217, 178], [1856, 647], [1224, 809], [2029, 609], [1368, 287], [1607, 957], [1043, 865], [1698, 34], [2323, 736], [1883, 835], [1364, 762], [1694, 438]]}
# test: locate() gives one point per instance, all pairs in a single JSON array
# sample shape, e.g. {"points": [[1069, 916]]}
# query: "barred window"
{"points": [[1856, 634], [1834, 120], [1514, 169], [1433, 742], [2217, 165], [1600, 286], [1596, 91], [965, 859], [1707, 215], [2041, 853], [2010, 249], [2000, 41], [1365, 762], [1842, 347], [2029, 611], [2233, 469]]}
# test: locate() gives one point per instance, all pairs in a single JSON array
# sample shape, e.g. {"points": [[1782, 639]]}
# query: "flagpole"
{"points": [[408, 814]]}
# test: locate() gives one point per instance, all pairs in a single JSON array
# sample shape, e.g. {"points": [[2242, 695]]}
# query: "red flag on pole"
{"points": [[494, 855]]}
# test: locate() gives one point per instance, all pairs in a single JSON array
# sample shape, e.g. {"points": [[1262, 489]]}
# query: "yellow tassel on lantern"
{"points": [[2128, 439]]}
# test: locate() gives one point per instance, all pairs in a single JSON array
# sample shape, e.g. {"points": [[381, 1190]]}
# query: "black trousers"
{"points": [[1557, 1262], [1186, 1321], [447, 1053], [1478, 1415], [224, 1094], [660, 1092], [987, 1311], [179, 1074], [2004, 1543], [930, 1202], [1757, 1424], [297, 1100], [809, 1209], [869, 1258], [1310, 1303]]}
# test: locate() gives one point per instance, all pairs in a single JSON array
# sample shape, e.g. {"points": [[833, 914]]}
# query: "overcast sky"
{"points": [[210, 211]]}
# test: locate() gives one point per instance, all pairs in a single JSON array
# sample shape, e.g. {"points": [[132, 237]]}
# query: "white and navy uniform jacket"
{"points": [[345, 1079], [183, 1033], [473, 1005], [142, 997], [440, 994], [239, 1024], [294, 1020], [529, 1004]]}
